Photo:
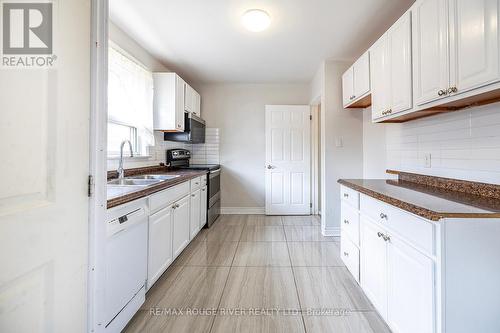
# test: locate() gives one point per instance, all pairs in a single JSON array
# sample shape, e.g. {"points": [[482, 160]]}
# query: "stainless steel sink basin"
{"points": [[160, 177], [134, 182]]}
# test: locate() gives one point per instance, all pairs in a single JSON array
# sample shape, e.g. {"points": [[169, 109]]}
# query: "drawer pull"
{"points": [[346, 195], [346, 221], [346, 254], [383, 216]]}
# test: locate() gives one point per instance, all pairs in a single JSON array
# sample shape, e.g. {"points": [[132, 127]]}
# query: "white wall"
{"points": [[374, 150], [238, 111], [337, 124]]}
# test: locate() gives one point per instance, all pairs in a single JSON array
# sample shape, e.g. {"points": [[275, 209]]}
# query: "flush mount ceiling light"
{"points": [[256, 20]]}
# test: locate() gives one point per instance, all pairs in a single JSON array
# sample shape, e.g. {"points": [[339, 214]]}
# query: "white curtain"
{"points": [[130, 99]]}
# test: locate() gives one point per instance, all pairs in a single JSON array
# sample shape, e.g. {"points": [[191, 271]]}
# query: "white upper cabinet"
{"points": [[348, 86], [192, 101], [168, 102], [430, 50], [474, 43], [379, 77], [356, 83], [455, 47], [399, 61], [362, 76], [390, 64]]}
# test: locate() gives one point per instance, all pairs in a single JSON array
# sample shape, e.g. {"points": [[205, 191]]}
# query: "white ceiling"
{"points": [[204, 40]]}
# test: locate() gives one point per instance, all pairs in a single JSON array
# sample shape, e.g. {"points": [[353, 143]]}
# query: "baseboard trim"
{"points": [[331, 231], [242, 210]]}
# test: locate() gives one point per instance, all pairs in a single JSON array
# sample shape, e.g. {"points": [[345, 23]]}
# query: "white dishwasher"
{"points": [[126, 263]]}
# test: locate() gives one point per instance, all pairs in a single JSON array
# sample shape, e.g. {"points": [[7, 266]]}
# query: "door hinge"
{"points": [[310, 117], [90, 186]]}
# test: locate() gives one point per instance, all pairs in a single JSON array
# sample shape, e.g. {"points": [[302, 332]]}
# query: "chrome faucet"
{"points": [[121, 171]]}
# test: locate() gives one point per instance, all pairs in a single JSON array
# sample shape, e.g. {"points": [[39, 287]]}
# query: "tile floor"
{"points": [[258, 273]]}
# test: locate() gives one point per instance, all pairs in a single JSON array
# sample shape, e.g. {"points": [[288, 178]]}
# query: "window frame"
{"points": [[134, 136]]}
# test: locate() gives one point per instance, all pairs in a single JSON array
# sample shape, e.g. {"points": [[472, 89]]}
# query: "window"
{"points": [[130, 104]]}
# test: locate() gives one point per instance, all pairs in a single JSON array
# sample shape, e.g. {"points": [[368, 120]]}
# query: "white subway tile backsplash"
{"points": [[463, 145]]}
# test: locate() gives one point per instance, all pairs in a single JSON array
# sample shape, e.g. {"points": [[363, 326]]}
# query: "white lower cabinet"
{"points": [[180, 225], [203, 206], [194, 222], [374, 266], [160, 244], [410, 292]]}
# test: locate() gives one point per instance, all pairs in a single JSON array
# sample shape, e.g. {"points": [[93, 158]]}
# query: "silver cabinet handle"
{"points": [[271, 167], [346, 221], [346, 254], [346, 195], [379, 234], [383, 216], [193, 195], [387, 238]]}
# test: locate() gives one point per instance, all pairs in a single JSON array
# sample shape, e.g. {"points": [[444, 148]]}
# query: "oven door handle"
{"points": [[214, 173]]}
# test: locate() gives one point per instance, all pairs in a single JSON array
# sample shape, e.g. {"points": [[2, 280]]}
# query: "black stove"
{"points": [[179, 159], [209, 167]]}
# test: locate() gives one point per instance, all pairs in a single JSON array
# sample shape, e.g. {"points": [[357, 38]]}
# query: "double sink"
{"points": [[119, 187]]}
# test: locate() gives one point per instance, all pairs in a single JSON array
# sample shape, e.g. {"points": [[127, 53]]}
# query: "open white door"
{"points": [[44, 130], [288, 160]]}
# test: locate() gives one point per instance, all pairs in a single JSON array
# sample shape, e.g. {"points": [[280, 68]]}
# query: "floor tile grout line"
{"points": [[225, 283], [295, 282]]}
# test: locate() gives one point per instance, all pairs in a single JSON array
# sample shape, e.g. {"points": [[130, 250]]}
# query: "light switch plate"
{"points": [[339, 142]]}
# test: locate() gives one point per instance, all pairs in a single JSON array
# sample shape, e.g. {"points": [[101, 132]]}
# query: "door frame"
{"points": [[315, 159], [97, 164]]}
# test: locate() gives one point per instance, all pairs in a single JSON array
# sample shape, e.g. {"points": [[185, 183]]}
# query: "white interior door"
{"points": [[43, 196], [288, 160]]}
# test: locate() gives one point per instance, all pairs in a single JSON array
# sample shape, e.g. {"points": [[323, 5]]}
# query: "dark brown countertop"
{"points": [[185, 175], [430, 202]]}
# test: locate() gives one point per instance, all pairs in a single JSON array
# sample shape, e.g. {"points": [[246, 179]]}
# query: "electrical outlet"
{"points": [[428, 160]]}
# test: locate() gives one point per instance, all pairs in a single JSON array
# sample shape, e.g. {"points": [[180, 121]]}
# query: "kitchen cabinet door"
{"points": [[180, 225], [362, 75], [399, 61], [160, 244], [410, 298], [474, 43], [379, 77], [188, 98], [168, 102], [194, 219], [197, 104], [430, 50], [203, 206], [348, 86], [373, 263]]}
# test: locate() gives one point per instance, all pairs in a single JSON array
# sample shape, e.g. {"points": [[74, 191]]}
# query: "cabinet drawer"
{"points": [[350, 255], [417, 231], [349, 196], [195, 183], [161, 199], [350, 222]]}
